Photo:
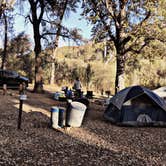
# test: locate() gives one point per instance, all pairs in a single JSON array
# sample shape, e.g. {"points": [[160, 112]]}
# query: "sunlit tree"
{"points": [[44, 16], [125, 23], [6, 26]]}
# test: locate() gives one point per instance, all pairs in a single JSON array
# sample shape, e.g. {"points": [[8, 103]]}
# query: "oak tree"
{"points": [[124, 23]]}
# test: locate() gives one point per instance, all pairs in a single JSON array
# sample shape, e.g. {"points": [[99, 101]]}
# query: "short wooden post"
{"points": [[20, 114], [22, 88], [22, 98], [4, 89]]}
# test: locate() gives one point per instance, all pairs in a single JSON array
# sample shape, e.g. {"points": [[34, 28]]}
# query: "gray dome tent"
{"points": [[136, 106]]}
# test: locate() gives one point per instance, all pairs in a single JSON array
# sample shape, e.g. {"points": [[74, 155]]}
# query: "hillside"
{"points": [[74, 61]]}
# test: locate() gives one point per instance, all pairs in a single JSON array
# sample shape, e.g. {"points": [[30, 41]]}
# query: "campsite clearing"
{"points": [[95, 143]]}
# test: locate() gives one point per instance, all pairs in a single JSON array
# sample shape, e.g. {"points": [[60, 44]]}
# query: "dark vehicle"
{"points": [[12, 79]]}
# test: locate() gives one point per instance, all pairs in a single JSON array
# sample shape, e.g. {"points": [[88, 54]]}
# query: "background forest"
{"points": [[94, 61]]}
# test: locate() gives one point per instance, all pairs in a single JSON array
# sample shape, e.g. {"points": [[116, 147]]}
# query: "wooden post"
{"points": [[4, 89], [22, 98], [20, 114], [22, 88]]}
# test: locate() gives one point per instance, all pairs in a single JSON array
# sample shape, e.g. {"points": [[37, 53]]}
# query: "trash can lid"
{"points": [[62, 109], [54, 109], [78, 105]]}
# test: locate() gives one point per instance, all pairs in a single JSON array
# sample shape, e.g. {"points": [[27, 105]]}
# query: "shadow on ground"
{"points": [[95, 143]]}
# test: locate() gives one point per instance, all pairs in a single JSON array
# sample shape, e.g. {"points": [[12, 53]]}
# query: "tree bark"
{"points": [[38, 87], [3, 66], [52, 79], [120, 47], [120, 73], [36, 20]]}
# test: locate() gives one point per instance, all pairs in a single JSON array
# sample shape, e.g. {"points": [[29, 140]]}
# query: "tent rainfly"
{"points": [[136, 106]]}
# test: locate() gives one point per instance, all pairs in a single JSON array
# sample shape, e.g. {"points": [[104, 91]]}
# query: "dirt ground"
{"points": [[96, 142]]}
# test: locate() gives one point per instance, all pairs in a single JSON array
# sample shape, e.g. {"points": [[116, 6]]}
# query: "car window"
{"points": [[14, 73], [7, 74], [10, 74]]}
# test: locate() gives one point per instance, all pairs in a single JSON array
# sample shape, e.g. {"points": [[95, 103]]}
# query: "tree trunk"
{"points": [[38, 87], [120, 47], [120, 73], [3, 66], [52, 79], [87, 86], [36, 20], [54, 52]]}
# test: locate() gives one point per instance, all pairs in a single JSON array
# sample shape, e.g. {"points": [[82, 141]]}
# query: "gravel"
{"points": [[96, 142]]}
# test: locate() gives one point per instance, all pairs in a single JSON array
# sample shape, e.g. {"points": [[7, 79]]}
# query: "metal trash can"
{"points": [[54, 117], [61, 120], [77, 112]]}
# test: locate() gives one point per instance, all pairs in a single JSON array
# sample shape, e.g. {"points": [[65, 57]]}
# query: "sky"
{"points": [[73, 21]]}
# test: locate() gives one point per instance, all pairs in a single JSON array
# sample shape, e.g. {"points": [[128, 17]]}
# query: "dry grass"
{"points": [[95, 143]]}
